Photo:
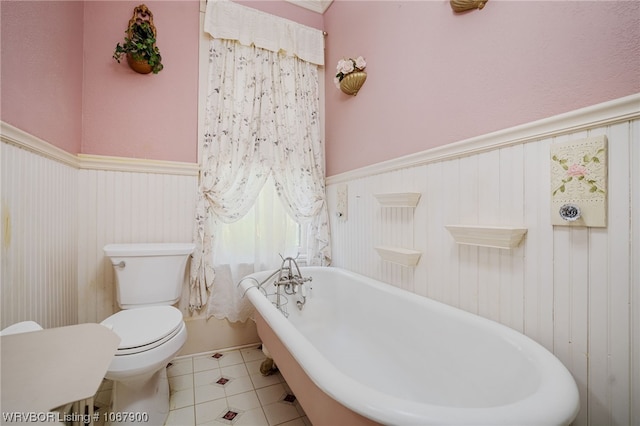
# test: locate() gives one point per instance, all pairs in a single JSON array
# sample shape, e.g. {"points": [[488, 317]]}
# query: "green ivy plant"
{"points": [[140, 43]]}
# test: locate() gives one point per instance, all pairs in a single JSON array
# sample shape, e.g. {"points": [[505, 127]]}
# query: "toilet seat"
{"points": [[142, 329]]}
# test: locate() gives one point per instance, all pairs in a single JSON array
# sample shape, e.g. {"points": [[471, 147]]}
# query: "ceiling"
{"points": [[318, 6]]}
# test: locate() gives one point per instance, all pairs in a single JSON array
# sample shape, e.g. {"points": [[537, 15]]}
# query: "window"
{"points": [[262, 236]]}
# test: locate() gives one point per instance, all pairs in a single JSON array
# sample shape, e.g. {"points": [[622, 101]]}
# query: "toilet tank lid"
{"points": [[148, 249]]}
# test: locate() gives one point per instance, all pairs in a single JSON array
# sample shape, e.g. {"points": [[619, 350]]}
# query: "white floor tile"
{"points": [[235, 371], [180, 366], [252, 354], [279, 413], [209, 393], [260, 381], [253, 367], [230, 358], [254, 417], [208, 411], [206, 377], [206, 362], [300, 421], [271, 394], [239, 385], [197, 399], [244, 401], [181, 399], [178, 383], [181, 417]]}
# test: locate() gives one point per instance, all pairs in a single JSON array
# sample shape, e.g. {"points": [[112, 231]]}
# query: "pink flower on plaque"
{"points": [[577, 170]]}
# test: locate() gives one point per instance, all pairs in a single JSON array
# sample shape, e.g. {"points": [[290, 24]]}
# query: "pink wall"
{"points": [[41, 80], [286, 10], [60, 83], [134, 115], [435, 77]]}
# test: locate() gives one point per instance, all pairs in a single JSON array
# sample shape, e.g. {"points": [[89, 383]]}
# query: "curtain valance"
{"points": [[232, 21]]}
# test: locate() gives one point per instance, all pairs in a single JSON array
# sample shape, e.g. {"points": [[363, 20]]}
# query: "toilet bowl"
{"points": [[149, 280], [151, 337]]}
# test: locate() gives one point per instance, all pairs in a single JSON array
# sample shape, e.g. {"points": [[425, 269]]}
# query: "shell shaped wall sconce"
{"points": [[459, 6], [352, 83], [350, 75]]}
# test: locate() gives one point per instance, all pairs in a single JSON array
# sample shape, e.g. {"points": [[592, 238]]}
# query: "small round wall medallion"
{"points": [[570, 212]]}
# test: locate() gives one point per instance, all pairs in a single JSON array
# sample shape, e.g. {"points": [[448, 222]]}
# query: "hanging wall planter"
{"points": [[351, 75], [138, 65], [139, 47], [460, 6], [352, 83]]}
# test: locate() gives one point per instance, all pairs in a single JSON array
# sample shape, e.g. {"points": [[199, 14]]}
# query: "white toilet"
{"points": [[149, 280]]}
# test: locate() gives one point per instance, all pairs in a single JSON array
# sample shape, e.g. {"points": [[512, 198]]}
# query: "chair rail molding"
{"points": [[603, 114], [17, 137]]}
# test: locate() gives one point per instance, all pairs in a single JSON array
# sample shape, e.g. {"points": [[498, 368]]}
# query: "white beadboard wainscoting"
{"points": [[59, 211], [129, 201], [125, 207], [576, 290], [39, 239]]}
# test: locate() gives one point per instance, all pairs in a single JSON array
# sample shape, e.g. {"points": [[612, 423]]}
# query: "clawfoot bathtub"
{"points": [[364, 352]]}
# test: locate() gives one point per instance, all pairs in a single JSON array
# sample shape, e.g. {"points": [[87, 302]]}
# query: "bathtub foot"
{"points": [[268, 367]]}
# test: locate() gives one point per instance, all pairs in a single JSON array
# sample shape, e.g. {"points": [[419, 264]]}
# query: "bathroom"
{"points": [[438, 83]]}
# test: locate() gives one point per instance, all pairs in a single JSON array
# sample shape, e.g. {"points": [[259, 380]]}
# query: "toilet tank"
{"points": [[148, 274]]}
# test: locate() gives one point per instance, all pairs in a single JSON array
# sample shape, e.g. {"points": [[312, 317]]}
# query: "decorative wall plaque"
{"points": [[579, 182]]}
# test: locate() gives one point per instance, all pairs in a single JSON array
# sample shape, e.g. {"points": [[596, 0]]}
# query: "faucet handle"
{"points": [[289, 257]]}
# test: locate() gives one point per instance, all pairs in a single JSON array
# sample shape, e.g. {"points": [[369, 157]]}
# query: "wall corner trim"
{"points": [[606, 113], [14, 136], [17, 137]]}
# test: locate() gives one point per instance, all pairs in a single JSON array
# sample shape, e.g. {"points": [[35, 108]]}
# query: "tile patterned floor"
{"points": [[226, 388]]}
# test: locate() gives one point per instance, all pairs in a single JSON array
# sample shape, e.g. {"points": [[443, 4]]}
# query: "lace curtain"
{"points": [[261, 121], [253, 243]]}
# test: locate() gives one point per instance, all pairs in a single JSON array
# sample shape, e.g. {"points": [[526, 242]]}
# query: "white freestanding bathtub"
{"points": [[364, 352]]}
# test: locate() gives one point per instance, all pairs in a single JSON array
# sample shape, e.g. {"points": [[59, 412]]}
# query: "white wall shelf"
{"points": [[401, 256], [487, 236], [398, 199]]}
